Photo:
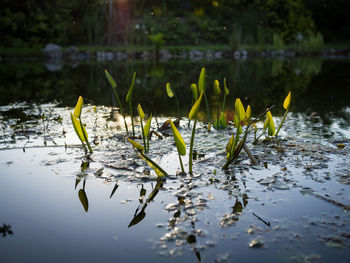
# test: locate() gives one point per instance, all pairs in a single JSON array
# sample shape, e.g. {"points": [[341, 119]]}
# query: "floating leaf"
{"points": [[195, 108], [217, 90], [201, 81], [148, 126], [248, 113], [78, 107], [194, 91], [271, 124], [287, 100], [131, 90], [239, 109], [140, 111], [169, 91], [136, 145], [110, 79], [77, 128], [179, 141], [83, 199], [225, 87]]}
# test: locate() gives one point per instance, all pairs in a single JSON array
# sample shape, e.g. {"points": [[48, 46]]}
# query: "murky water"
{"points": [[56, 205]]}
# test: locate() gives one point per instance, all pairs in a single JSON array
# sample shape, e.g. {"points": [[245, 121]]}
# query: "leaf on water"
{"points": [[271, 124], [217, 90], [131, 90], [225, 87], [140, 111], [110, 79], [287, 100], [248, 113], [201, 81], [78, 107], [240, 112], [136, 145], [77, 128], [195, 108], [114, 189], [169, 91], [83, 199], [147, 127], [194, 90], [179, 141]]}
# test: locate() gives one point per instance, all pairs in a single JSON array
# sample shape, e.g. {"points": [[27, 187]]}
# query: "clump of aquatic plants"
{"points": [[79, 128], [145, 130], [220, 121]]}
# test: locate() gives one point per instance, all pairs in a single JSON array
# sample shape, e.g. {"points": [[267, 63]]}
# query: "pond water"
{"points": [[57, 205]]}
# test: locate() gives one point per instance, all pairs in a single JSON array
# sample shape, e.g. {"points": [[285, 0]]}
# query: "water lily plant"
{"points": [[79, 128]]}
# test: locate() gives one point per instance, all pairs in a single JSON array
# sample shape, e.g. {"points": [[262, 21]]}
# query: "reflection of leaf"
{"points": [[155, 191], [114, 189], [238, 208], [83, 199], [138, 217], [77, 181], [191, 239]]}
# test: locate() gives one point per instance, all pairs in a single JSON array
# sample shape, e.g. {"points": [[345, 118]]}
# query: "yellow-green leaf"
{"points": [[271, 124], [201, 81], [217, 90], [148, 126], [194, 91], [131, 90], [230, 143], [136, 145], [157, 171], [110, 79], [239, 109], [83, 199], [78, 107], [286, 102], [140, 111], [195, 108], [179, 141], [237, 123], [223, 120], [225, 87], [77, 128], [169, 91], [248, 113]]}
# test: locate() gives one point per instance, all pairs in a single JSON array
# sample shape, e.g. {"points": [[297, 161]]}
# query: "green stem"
{"points": [[153, 163], [218, 118], [191, 147], [132, 120], [121, 109], [257, 139], [143, 137], [182, 167], [85, 137], [284, 118], [177, 106], [207, 106]]}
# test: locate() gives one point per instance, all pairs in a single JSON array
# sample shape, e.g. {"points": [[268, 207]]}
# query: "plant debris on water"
{"points": [[294, 199]]}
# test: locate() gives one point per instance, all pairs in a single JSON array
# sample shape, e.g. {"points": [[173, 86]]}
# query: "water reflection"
{"points": [[5, 230]]}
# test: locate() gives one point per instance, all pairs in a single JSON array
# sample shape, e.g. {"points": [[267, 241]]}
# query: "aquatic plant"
{"points": [[142, 116], [286, 105], [180, 144], [140, 152], [220, 121], [114, 88], [79, 128], [201, 87], [172, 94], [129, 101]]}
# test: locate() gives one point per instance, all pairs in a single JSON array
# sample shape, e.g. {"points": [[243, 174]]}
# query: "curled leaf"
{"points": [[77, 128], [147, 126], [131, 90], [239, 109], [179, 141], [195, 108], [169, 91], [248, 113], [201, 81], [287, 100], [140, 111], [271, 124], [230, 143], [217, 90], [237, 123], [78, 107], [194, 91], [110, 79], [225, 87]]}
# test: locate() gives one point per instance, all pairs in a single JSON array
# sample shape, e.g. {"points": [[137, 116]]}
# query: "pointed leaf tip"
{"points": [[239, 109], [287, 100], [110, 79], [169, 90], [78, 107], [195, 108], [201, 81], [140, 111], [179, 141]]}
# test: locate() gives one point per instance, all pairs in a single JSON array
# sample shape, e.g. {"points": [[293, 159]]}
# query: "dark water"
{"points": [[57, 206]]}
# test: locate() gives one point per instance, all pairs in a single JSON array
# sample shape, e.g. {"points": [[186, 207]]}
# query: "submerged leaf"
{"points": [[217, 90], [201, 81], [140, 111], [83, 199], [179, 141], [287, 100], [195, 108], [78, 107], [110, 79], [239, 109], [169, 91], [136, 145], [194, 91], [77, 128], [131, 90], [147, 127]]}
